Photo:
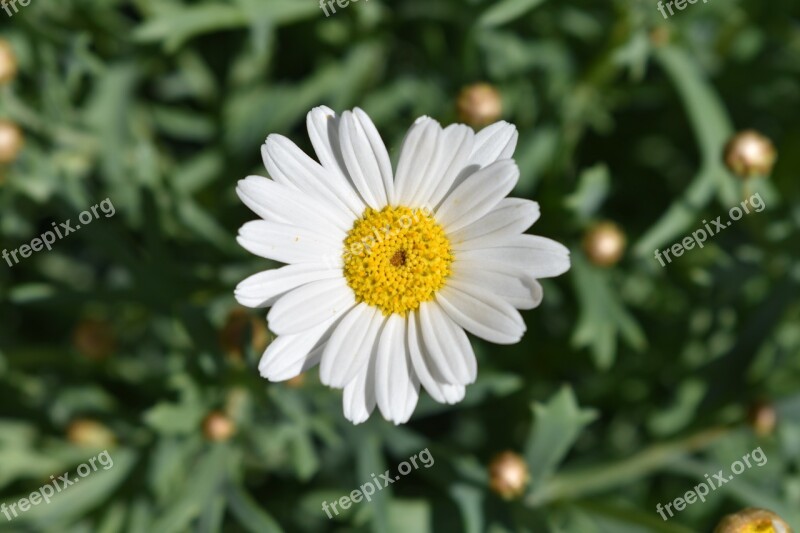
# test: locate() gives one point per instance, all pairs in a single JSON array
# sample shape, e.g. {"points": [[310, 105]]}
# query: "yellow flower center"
{"points": [[396, 258], [759, 526]]}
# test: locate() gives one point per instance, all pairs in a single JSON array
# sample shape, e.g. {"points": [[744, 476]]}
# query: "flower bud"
{"points": [[763, 418], [94, 339], [479, 104], [661, 35], [238, 326], [750, 154], [508, 475], [11, 141], [217, 427], [8, 62], [753, 521], [604, 244], [88, 433]]}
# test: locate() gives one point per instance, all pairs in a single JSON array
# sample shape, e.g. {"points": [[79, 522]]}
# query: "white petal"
{"points": [[477, 195], [285, 160], [350, 346], [323, 130], [288, 244], [523, 292], [396, 386], [262, 289], [455, 150], [482, 313], [511, 217], [493, 143], [358, 400], [290, 355], [417, 160], [366, 158], [523, 255], [448, 345], [307, 306], [426, 371], [280, 203]]}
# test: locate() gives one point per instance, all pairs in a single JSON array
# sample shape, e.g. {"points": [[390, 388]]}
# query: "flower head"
{"points": [[753, 521], [385, 270]]}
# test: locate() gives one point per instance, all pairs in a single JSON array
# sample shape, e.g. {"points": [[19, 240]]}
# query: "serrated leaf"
{"points": [[557, 425], [603, 316]]}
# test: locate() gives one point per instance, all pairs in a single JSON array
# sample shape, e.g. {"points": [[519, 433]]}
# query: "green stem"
{"points": [[712, 128], [579, 483]]}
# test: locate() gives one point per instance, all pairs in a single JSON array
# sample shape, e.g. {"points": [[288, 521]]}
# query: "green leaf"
{"points": [[470, 502], [609, 516], [179, 25], [196, 173], [169, 464], [252, 517], [488, 384], [410, 515], [371, 461], [213, 516], [26, 293], [593, 187], [304, 456], [712, 128], [680, 414], [740, 488], [557, 425], [507, 10], [114, 519], [177, 418], [77, 499], [207, 479], [536, 152], [205, 226], [183, 124], [603, 316]]}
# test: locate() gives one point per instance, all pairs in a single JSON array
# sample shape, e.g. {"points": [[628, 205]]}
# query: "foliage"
{"points": [[631, 382]]}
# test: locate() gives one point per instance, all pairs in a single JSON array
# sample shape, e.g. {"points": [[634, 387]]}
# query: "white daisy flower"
{"points": [[386, 270]]}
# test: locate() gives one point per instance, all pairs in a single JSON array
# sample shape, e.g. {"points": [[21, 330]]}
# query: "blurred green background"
{"points": [[632, 382]]}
